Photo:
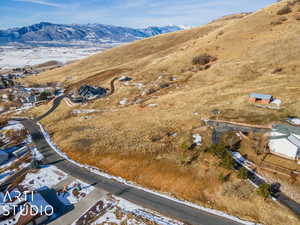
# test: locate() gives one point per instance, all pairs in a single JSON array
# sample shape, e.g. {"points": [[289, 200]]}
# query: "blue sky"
{"points": [[132, 13]]}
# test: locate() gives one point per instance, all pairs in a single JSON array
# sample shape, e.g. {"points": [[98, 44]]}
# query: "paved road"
{"points": [[55, 104], [157, 203]]}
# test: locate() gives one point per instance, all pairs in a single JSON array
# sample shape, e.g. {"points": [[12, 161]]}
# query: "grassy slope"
{"points": [[119, 142]]}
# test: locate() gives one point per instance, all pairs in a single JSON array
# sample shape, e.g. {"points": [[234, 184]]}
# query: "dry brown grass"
{"points": [[121, 141]]}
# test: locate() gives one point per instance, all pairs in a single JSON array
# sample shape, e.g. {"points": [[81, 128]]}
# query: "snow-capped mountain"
{"points": [[47, 33]]}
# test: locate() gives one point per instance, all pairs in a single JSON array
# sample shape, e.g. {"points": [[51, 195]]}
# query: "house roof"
{"points": [[39, 202], [285, 145], [287, 129], [295, 140], [261, 96]]}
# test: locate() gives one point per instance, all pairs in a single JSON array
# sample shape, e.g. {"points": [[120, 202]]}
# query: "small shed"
{"points": [[260, 98]]}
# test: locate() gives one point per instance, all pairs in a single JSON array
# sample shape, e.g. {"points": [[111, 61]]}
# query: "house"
{"points": [[90, 92], [30, 99], [31, 208], [37, 204], [260, 98], [3, 156], [284, 141]]}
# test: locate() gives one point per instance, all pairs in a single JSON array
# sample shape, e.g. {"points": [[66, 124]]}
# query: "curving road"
{"points": [[148, 200], [165, 206], [55, 104]]}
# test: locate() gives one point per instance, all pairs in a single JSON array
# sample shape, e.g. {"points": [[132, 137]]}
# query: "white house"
{"points": [[284, 141]]}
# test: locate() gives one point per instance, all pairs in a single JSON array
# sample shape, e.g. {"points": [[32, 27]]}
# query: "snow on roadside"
{"points": [[111, 214], [131, 184], [129, 207]]}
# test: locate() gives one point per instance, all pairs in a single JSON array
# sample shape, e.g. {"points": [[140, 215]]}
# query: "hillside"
{"points": [[47, 34], [257, 52]]}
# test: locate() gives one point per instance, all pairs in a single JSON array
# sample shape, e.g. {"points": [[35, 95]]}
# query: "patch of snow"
{"points": [[197, 139], [152, 105], [46, 177], [69, 198], [112, 205], [84, 111], [131, 184], [276, 102], [123, 101], [14, 57], [129, 207], [139, 85]]}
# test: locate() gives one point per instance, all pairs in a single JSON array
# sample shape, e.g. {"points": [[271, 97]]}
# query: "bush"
{"points": [[225, 156], [243, 173], [264, 190], [228, 162], [277, 22], [280, 20], [203, 59], [223, 178], [44, 95], [284, 10], [277, 70]]}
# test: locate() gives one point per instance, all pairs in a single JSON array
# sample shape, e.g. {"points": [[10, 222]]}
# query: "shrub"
{"points": [[203, 59], [220, 151], [243, 173], [264, 190], [277, 22], [284, 10], [280, 20], [277, 70], [223, 178], [228, 162], [44, 95]]}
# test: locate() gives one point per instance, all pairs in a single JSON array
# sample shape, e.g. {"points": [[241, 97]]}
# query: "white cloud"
{"points": [[43, 2]]}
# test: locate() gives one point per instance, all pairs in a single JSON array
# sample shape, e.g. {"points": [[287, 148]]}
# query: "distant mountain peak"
{"points": [[47, 33]]}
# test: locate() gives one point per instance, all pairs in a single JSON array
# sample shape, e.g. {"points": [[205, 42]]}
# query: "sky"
{"points": [[131, 13]]}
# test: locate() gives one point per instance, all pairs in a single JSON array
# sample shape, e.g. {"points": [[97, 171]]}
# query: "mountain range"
{"points": [[45, 33]]}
